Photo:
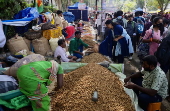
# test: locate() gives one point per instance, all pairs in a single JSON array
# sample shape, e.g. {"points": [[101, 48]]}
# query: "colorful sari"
{"points": [[34, 79]]}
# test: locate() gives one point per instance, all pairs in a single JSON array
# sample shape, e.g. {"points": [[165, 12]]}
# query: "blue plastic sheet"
{"points": [[69, 16]]}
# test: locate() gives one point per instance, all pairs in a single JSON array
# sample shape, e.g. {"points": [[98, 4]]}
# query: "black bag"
{"points": [[163, 51], [143, 48], [120, 22]]}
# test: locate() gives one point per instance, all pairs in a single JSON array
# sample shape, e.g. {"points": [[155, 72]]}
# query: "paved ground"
{"points": [[134, 66]]}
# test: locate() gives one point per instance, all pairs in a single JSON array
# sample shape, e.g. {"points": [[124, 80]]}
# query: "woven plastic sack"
{"points": [[31, 34], [28, 42], [17, 44], [12, 71], [41, 46]]}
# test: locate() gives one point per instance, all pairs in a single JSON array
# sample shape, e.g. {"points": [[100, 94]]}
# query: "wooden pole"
{"points": [[96, 18]]}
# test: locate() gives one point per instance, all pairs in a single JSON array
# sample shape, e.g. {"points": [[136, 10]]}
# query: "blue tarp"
{"points": [[23, 17], [69, 16], [75, 6]]}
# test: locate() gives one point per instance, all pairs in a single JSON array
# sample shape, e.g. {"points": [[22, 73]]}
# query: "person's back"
{"points": [[70, 31], [138, 15], [140, 26], [130, 27], [163, 51], [120, 20], [136, 18]]}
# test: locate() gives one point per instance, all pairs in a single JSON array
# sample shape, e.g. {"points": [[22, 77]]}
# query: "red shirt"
{"points": [[70, 31]]}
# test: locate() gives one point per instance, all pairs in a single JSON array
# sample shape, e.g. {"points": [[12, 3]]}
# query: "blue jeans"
{"points": [[77, 54], [145, 99]]}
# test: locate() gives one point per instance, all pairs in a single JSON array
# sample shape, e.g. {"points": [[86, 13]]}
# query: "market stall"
{"points": [[30, 44], [79, 14], [93, 74]]}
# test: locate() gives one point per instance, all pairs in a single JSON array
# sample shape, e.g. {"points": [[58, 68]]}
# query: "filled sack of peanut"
{"points": [[12, 71], [41, 46], [17, 44]]}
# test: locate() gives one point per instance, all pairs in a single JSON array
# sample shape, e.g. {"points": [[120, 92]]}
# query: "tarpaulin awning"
{"points": [[27, 14], [18, 22], [139, 9]]}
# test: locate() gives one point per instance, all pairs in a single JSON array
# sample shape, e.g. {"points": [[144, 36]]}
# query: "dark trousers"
{"points": [[137, 38], [145, 99], [133, 39], [79, 55], [120, 58], [99, 29]]}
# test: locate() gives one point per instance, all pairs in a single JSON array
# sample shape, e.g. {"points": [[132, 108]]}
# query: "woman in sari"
{"points": [[34, 79]]}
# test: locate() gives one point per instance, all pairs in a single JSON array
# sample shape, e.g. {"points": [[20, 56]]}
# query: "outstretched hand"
{"points": [[130, 85]]}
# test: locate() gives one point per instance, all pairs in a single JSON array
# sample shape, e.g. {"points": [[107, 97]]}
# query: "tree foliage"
{"points": [[152, 5], [10, 7], [129, 6], [7, 10], [163, 4]]}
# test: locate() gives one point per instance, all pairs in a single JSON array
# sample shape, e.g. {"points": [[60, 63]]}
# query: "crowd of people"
{"points": [[148, 35]]}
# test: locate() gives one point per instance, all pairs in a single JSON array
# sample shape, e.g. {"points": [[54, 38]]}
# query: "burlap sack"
{"points": [[41, 46], [17, 44], [28, 42], [12, 71]]}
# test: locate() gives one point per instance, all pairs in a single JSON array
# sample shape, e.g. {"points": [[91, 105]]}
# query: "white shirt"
{"points": [[61, 52]]}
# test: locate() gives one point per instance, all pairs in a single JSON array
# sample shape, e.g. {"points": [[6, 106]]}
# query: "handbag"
{"points": [[143, 48]]}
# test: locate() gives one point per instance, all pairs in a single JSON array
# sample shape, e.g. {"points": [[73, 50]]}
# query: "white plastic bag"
{"points": [[2, 36], [53, 43]]}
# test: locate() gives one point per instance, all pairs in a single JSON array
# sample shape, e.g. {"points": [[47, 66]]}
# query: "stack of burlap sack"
{"points": [[39, 46]]}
